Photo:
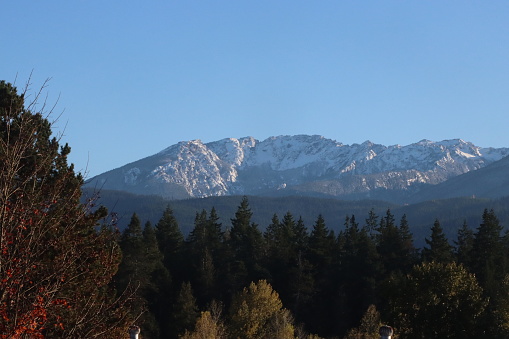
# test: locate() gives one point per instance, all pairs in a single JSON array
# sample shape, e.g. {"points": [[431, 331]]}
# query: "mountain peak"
{"points": [[299, 163]]}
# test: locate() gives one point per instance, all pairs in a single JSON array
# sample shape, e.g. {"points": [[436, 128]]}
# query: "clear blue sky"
{"points": [[137, 76]]}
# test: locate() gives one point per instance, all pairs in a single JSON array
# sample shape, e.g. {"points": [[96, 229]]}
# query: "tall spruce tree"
{"points": [[439, 249], [464, 244], [395, 245], [321, 247], [300, 286], [409, 254], [170, 241], [246, 247], [136, 271], [388, 243], [215, 234], [281, 249], [132, 265], [158, 280], [371, 223], [488, 262], [200, 259], [185, 311], [359, 270], [288, 267], [159, 275], [301, 235], [321, 256], [271, 231]]}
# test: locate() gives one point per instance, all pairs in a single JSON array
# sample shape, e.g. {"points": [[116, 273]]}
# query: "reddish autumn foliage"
{"points": [[56, 255]]}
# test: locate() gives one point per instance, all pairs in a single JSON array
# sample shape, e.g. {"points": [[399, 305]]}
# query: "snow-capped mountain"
{"points": [[300, 164]]}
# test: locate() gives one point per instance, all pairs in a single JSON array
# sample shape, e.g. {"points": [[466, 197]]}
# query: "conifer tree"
{"points": [[288, 239], [140, 260], [56, 260], [487, 252], [321, 258], [217, 251], [409, 253], [199, 257], [215, 234], [281, 249], [131, 243], [246, 246], [300, 286], [359, 271], [301, 235], [288, 267], [489, 264], [185, 310], [170, 241], [271, 231], [153, 258], [157, 282], [388, 243], [371, 223], [131, 270], [351, 240], [464, 245], [321, 246], [198, 236], [439, 248], [395, 245]]}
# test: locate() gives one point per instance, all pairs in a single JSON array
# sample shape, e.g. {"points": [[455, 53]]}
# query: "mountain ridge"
{"points": [[307, 164]]}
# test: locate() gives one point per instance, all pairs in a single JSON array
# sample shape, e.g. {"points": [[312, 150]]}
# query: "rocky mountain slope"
{"points": [[491, 181], [302, 164]]}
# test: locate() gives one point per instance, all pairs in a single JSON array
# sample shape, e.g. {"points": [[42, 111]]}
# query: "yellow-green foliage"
{"points": [[257, 312], [207, 327]]}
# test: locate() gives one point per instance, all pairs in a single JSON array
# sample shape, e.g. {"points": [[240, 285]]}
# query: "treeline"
{"points": [[450, 212], [233, 281]]}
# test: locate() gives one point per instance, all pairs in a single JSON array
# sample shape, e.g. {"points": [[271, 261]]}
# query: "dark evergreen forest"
{"points": [[451, 212], [292, 280]]}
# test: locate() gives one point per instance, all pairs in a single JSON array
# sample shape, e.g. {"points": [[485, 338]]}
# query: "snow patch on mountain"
{"points": [[131, 175]]}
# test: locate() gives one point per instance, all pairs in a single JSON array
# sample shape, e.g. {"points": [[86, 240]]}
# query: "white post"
{"points": [[134, 331], [386, 332]]}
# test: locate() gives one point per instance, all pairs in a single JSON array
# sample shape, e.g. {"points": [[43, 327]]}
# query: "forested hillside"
{"points": [[233, 280], [451, 212]]}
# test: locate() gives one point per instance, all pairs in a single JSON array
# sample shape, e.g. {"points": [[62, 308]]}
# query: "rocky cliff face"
{"points": [[299, 164]]}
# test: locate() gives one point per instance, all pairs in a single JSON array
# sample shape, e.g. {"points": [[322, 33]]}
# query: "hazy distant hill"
{"points": [[491, 181], [298, 165]]}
